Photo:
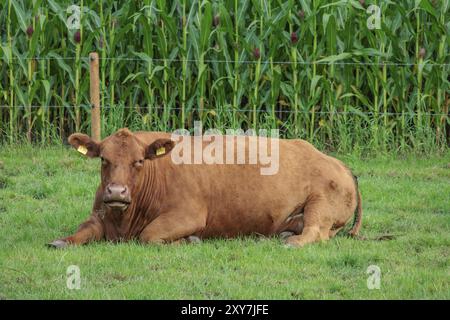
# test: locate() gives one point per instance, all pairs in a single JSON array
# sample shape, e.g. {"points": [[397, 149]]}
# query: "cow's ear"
{"points": [[85, 145], [159, 148]]}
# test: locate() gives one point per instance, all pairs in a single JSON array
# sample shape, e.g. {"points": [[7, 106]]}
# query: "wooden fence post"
{"points": [[95, 96]]}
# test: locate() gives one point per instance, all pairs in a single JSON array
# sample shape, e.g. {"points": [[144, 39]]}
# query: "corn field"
{"points": [[313, 69]]}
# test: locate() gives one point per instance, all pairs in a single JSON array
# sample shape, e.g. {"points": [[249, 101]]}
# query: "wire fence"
{"points": [[337, 63], [256, 61]]}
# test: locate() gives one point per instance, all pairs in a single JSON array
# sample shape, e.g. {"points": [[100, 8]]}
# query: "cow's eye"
{"points": [[139, 163], [104, 161]]}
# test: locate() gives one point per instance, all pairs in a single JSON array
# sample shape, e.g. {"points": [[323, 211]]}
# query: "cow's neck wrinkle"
{"points": [[147, 203]]}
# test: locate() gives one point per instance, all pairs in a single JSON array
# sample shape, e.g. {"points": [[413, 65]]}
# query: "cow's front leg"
{"points": [[171, 227], [91, 230]]}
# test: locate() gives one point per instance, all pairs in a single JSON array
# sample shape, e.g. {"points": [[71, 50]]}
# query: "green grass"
{"points": [[46, 193]]}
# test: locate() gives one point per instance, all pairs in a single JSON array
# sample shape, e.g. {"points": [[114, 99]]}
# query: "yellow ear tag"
{"points": [[160, 151], [82, 149]]}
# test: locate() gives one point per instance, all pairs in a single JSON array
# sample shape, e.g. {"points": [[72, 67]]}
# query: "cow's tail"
{"points": [[358, 214]]}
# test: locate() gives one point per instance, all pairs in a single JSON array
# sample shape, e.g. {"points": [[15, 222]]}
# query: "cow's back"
{"points": [[238, 199]]}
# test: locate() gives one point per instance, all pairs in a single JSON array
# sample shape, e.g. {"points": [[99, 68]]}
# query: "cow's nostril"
{"points": [[114, 192]]}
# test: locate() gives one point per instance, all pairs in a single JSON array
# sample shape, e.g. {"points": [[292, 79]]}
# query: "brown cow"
{"points": [[144, 195]]}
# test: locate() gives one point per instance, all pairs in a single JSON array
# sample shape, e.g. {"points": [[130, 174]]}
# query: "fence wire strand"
{"points": [[141, 108], [256, 61]]}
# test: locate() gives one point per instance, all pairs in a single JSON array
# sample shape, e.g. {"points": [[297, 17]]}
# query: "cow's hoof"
{"points": [[293, 242], [285, 234], [58, 244], [194, 239]]}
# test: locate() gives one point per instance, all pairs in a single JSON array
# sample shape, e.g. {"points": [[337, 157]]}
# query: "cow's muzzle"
{"points": [[117, 197]]}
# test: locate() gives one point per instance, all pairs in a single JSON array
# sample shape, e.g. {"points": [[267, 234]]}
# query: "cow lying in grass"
{"points": [[144, 195]]}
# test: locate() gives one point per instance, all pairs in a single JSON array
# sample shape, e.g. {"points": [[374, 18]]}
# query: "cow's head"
{"points": [[123, 156]]}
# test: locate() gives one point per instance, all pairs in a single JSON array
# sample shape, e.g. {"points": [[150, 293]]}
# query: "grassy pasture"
{"points": [[46, 192]]}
